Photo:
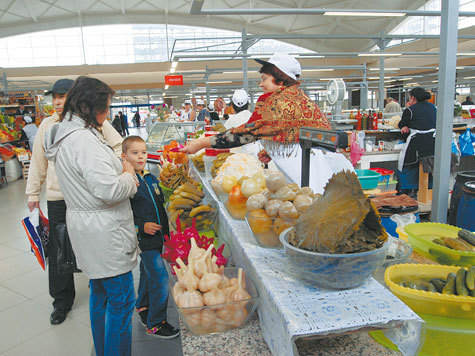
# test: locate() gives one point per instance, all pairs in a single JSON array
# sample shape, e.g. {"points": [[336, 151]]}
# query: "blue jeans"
{"points": [[111, 304], [153, 287]]}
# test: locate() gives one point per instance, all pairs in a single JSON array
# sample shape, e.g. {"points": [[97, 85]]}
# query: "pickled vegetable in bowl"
{"points": [[266, 230]]}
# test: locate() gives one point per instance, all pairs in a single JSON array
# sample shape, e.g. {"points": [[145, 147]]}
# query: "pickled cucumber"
{"points": [[449, 287], [467, 236], [460, 287], [470, 278], [439, 284]]}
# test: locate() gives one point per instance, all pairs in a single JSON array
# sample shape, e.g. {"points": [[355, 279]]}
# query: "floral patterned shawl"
{"points": [[276, 120]]}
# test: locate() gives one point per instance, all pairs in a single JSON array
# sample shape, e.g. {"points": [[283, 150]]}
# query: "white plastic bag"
{"points": [[322, 166], [403, 220]]}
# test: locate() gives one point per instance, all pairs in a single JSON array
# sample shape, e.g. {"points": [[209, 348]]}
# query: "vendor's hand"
{"points": [[151, 228], [264, 156], [405, 130], [193, 146], [33, 204]]}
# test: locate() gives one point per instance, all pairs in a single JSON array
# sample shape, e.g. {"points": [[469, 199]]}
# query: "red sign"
{"points": [[174, 80]]}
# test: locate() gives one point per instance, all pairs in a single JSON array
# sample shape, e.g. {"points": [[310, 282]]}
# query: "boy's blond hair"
{"points": [[129, 140]]}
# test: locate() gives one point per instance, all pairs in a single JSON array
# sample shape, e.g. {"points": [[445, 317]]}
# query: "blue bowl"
{"points": [[369, 179], [334, 271]]}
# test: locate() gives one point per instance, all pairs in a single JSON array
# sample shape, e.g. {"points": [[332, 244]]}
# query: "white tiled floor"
{"points": [[25, 303]]}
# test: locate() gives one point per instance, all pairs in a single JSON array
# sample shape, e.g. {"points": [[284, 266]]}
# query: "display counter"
{"points": [[290, 310]]}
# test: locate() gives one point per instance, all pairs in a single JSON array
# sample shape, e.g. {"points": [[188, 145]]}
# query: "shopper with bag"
{"points": [[97, 188], [61, 286]]}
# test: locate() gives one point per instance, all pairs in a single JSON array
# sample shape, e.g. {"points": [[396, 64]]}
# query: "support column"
{"points": [[245, 81], [5, 83], [251, 106], [381, 83], [446, 92], [207, 86], [364, 90]]}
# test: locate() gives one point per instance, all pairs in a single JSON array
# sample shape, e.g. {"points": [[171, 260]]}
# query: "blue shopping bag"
{"points": [[35, 229]]}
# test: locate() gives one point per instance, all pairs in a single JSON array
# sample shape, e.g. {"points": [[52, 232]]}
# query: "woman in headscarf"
{"points": [[279, 114]]}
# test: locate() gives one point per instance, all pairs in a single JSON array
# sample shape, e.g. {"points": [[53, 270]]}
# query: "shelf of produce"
{"points": [[290, 310]]}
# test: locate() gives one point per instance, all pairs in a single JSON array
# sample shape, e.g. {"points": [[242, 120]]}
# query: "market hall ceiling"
{"points": [[25, 16]]}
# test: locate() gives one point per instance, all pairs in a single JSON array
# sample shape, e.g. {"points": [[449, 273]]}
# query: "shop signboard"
{"points": [[174, 80]]}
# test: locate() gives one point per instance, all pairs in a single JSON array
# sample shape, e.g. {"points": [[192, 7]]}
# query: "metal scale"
{"points": [[310, 138]]}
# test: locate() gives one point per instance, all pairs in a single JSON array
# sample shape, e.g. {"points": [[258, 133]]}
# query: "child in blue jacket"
{"points": [[151, 223]]}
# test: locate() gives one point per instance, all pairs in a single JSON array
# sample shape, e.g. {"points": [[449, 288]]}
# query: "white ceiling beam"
{"points": [[7, 8], [30, 11]]}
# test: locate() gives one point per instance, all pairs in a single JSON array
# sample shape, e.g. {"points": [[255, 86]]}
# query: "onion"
{"points": [[250, 187]]}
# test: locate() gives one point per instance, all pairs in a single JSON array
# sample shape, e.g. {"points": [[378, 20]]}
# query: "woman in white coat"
{"points": [[96, 188]]}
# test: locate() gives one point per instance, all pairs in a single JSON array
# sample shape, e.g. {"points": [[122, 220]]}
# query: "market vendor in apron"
{"points": [[418, 121], [279, 114]]}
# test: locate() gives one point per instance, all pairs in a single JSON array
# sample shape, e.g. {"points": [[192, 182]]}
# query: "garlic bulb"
{"points": [[209, 281], [214, 297], [239, 294], [193, 319], [207, 318], [199, 265], [195, 251], [188, 279], [190, 299], [177, 291], [239, 315]]}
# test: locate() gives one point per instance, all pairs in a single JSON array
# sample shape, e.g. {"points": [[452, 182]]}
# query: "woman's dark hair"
{"points": [[87, 98], [240, 108], [225, 116], [280, 78], [420, 94]]}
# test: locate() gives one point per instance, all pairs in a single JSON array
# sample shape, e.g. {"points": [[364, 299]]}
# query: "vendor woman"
{"points": [[418, 120], [280, 112]]}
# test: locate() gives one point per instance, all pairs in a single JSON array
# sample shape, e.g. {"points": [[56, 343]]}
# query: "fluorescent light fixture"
{"points": [[459, 67], [324, 79], [377, 69], [237, 71], [318, 70], [170, 97], [173, 66], [410, 78], [352, 13], [221, 82], [435, 81], [469, 78], [379, 54], [372, 78], [166, 86], [466, 54]]}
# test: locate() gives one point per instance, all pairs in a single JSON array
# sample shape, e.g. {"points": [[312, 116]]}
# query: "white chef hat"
{"points": [[240, 98], [187, 102], [211, 107], [200, 102], [285, 62], [28, 119]]}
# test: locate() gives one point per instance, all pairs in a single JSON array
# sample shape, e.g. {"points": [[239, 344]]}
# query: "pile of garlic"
{"points": [[202, 283]]}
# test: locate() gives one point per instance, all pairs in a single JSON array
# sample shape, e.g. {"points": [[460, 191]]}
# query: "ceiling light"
{"points": [[318, 70], [166, 86], [458, 67], [469, 78], [434, 81], [378, 54], [354, 13], [173, 66], [406, 78], [237, 71], [376, 69], [170, 97], [378, 78], [466, 54], [221, 82]]}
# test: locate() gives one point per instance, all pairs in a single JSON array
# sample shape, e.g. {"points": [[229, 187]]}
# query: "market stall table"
{"points": [[290, 310]]}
